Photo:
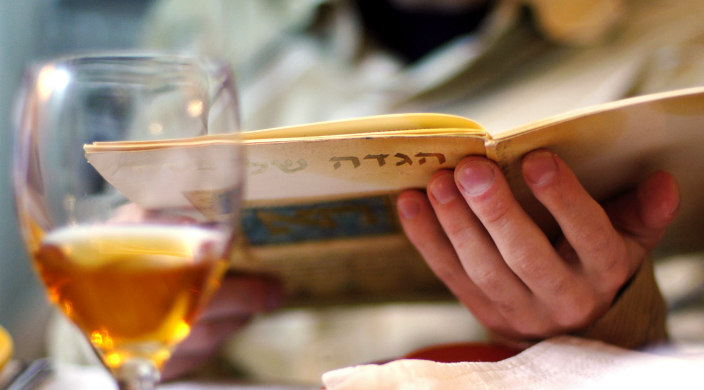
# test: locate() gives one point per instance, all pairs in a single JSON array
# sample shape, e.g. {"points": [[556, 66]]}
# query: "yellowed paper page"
{"points": [[614, 146], [408, 124], [395, 152]]}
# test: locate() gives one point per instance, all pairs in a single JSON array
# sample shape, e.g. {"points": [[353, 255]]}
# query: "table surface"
{"points": [[77, 377]]}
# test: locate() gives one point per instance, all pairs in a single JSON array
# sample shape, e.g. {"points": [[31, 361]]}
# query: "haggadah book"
{"points": [[320, 198]]}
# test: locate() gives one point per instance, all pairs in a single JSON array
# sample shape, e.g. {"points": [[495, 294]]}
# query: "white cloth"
{"points": [[562, 362]]}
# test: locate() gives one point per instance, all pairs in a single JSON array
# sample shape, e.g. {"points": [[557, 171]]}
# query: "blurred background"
{"points": [[32, 30], [290, 345]]}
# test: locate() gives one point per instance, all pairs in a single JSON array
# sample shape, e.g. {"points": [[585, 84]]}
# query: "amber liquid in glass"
{"points": [[134, 291]]}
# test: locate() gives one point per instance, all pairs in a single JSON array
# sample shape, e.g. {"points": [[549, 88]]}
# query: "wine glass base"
{"points": [[137, 374]]}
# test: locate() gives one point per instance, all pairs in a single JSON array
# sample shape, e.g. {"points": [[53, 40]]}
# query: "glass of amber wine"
{"points": [[130, 252]]}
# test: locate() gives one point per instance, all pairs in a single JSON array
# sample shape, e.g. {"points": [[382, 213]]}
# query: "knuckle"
{"points": [[617, 264], [575, 311], [605, 244], [509, 309], [457, 230], [489, 281], [613, 267], [597, 235], [525, 321], [558, 195], [616, 276], [559, 285], [526, 264], [531, 327], [493, 213]]}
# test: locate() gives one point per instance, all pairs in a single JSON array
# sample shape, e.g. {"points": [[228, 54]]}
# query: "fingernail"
{"points": [[443, 188], [408, 208], [476, 177], [539, 168]]}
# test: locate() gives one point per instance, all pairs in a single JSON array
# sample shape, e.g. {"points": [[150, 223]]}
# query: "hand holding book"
{"points": [[499, 263]]}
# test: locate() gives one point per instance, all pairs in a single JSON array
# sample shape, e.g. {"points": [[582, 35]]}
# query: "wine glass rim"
{"points": [[126, 56]]}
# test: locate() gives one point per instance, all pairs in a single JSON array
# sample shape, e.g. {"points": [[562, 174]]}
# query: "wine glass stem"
{"points": [[137, 374]]}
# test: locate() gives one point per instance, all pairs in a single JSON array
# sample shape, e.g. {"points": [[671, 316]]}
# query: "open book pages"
{"points": [[320, 197], [295, 164]]}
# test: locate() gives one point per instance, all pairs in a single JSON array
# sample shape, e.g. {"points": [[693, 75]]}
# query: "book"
{"points": [[320, 198]]}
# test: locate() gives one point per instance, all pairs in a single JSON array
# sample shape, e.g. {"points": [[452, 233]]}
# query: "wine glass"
{"points": [[130, 269]]}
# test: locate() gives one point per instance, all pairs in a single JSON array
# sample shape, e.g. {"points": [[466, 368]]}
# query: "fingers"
{"points": [[476, 227], [206, 337], [427, 235], [488, 251], [476, 251], [201, 345], [601, 252], [605, 257], [658, 201], [520, 284], [178, 366], [243, 294], [582, 220], [645, 213], [239, 298], [520, 242]]}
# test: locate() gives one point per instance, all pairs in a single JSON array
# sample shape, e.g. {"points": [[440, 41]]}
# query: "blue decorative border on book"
{"points": [[319, 221]]}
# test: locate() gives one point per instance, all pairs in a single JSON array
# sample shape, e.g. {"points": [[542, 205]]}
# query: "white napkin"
{"points": [[562, 362]]}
